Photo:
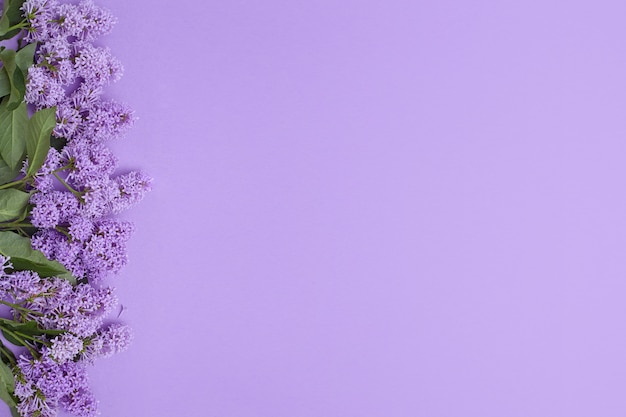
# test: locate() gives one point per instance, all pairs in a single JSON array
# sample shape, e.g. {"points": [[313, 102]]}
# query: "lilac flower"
{"points": [[105, 251], [42, 90], [38, 13], [85, 96], [80, 228], [43, 180], [65, 347], [98, 21], [89, 162], [51, 52], [108, 120], [66, 20], [53, 208], [83, 310], [133, 187], [42, 384], [57, 246], [113, 339], [5, 263], [20, 285], [68, 120], [56, 304], [97, 66], [98, 196], [80, 402]]}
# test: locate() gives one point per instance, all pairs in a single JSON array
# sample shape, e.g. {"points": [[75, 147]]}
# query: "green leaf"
{"points": [[5, 84], [24, 58], [12, 204], [7, 174], [16, 78], [6, 375], [4, 24], [38, 138], [5, 395], [13, 127], [12, 16], [31, 328], [10, 338], [24, 257]]}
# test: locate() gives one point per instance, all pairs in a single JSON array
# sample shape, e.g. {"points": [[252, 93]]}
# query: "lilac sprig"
{"points": [[59, 237]]}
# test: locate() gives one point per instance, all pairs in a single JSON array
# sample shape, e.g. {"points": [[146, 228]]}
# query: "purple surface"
{"points": [[373, 209]]}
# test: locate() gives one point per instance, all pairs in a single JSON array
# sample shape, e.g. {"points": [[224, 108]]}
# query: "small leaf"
{"points": [[13, 127], [7, 376], [9, 337], [16, 78], [6, 396], [12, 204], [4, 25], [24, 257], [7, 174], [38, 138], [5, 84], [24, 58]]}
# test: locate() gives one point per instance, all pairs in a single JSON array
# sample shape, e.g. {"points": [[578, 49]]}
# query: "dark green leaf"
{"points": [[24, 257], [12, 10], [12, 204], [38, 138], [12, 16], [57, 143], [4, 25], [5, 84], [16, 78], [13, 127], [9, 337], [7, 174], [31, 328]]}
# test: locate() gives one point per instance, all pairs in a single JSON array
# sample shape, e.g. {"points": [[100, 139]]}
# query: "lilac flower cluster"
{"points": [[59, 327], [55, 376], [43, 384], [69, 73]]}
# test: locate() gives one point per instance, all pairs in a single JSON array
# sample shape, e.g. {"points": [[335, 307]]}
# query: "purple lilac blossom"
{"points": [[113, 339], [80, 402], [43, 179], [102, 253], [56, 304], [97, 197], [68, 120], [53, 208], [80, 228], [47, 20], [133, 187], [108, 120], [97, 66], [88, 162], [42, 90], [66, 21], [38, 13], [43, 384], [65, 347], [105, 251], [97, 21]]}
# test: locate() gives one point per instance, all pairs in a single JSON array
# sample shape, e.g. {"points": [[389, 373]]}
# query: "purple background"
{"points": [[373, 209]]}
